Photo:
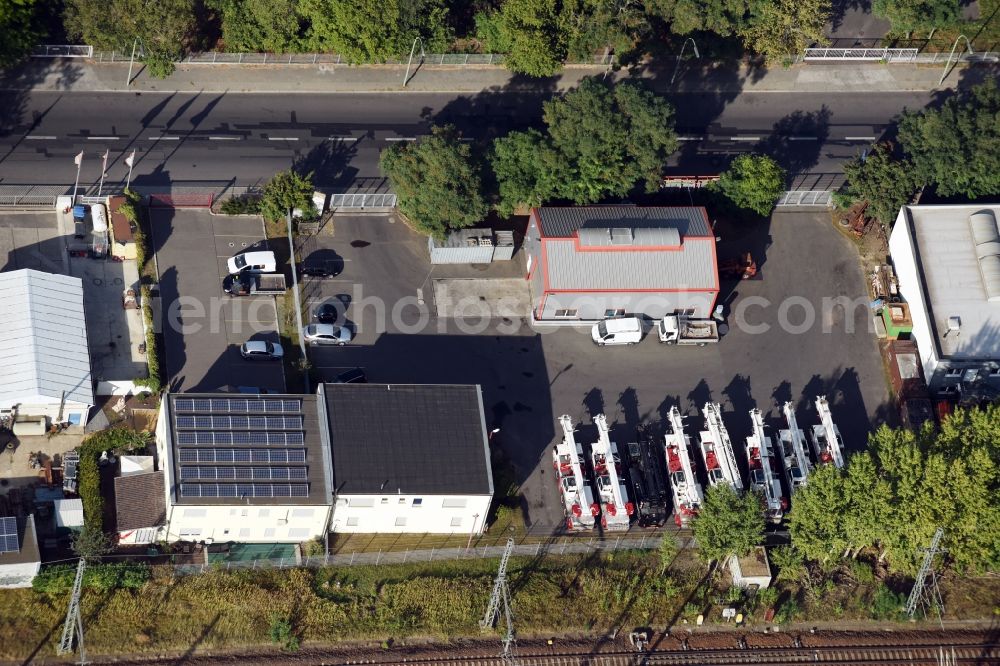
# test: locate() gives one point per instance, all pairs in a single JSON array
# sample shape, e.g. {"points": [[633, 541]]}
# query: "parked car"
{"points": [[326, 334], [327, 313], [257, 261], [325, 268], [617, 331], [261, 350], [354, 376]]}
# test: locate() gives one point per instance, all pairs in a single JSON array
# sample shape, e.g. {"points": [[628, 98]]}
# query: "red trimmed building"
{"points": [[587, 263]]}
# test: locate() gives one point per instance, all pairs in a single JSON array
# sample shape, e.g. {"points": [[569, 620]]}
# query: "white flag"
{"points": [[78, 160], [130, 160]]}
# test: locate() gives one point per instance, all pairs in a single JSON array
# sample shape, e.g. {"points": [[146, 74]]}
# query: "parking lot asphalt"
{"points": [[531, 377], [202, 326]]}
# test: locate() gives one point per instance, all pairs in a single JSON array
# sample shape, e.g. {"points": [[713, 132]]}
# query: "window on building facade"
{"points": [[385, 500], [244, 532], [302, 513], [264, 513], [190, 531], [298, 532], [567, 313], [362, 502], [454, 503], [268, 532], [402, 500], [401, 521], [418, 501], [456, 521], [195, 513], [614, 312], [352, 521]]}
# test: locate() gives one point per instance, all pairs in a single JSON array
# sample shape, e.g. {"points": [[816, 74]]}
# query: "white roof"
{"points": [[954, 282], [43, 340], [136, 465], [69, 512]]}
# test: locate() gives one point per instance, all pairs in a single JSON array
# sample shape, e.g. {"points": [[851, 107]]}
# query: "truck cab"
{"points": [[681, 329]]}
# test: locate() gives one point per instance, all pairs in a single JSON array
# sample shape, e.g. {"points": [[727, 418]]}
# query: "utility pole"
{"points": [[74, 622], [500, 602], [926, 593], [298, 303]]}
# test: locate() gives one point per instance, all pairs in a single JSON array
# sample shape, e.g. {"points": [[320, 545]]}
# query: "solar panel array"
{"points": [[8, 535], [223, 447]]}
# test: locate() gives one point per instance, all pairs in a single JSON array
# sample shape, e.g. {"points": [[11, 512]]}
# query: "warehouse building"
{"points": [[43, 351], [587, 263], [947, 262], [409, 458]]}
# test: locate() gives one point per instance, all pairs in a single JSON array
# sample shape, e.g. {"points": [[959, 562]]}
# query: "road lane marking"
{"points": [[744, 138], [102, 138], [859, 138], [803, 138], [164, 138], [224, 138], [690, 138], [38, 137], [282, 138], [401, 138], [342, 138]]}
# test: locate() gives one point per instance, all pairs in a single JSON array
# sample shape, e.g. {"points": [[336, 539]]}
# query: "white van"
{"points": [[618, 331], [257, 261]]}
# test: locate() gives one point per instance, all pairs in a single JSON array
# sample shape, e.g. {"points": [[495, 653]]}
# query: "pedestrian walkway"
{"points": [[79, 75]]}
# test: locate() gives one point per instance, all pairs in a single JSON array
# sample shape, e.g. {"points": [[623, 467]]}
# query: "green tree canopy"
{"points": [[375, 30], [528, 32], [957, 147], [286, 191], [163, 27], [777, 29], [885, 182], [609, 138], [752, 182], [19, 29], [437, 181], [816, 519], [526, 167], [272, 26], [909, 15], [723, 17], [728, 524]]}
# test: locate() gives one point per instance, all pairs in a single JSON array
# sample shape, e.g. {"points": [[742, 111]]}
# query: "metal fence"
{"points": [[360, 201], [31, 196], [62, 51], [562, 547], [822, 198], [907, 55]]}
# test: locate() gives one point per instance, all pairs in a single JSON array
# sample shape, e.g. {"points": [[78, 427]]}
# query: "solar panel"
{"points": [[184, 421], [299, 490], [8, 535], [241, 456], [227, 490], [297, 473], [296, 455]]}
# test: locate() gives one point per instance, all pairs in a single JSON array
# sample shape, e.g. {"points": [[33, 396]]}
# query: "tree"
{"points": [[723, 17], [778, 29], [957, 147], [909, 15], [752, 182], [286, 191], [19, 28], [528, 32], [272, 26], [728, 524], [885, 182], [816, 519], [437, 181], [609, 138], [162, 27], [668, 552], [366, 31], [526, 167], [91, 542]]}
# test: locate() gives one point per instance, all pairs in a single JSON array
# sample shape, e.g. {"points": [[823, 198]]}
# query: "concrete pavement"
{"points": [[66, 75]]}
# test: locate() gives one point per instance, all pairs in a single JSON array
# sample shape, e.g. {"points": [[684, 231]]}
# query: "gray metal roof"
{"points": [[410, 439], [954, 285], [563, 222], [43, 340], [692, 267]]}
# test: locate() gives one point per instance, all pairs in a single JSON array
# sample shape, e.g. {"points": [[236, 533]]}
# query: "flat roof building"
{"points": [[587, 263], [947, 262]]}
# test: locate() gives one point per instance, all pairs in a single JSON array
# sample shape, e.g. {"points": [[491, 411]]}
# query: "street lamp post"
{"points": [[131, 61], [681, 55], [406, 77], [79, 163], [947, 65], [298, 304]]}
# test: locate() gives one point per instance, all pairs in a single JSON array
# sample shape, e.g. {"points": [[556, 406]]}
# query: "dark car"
{"points": [[327, 313], [321, 269], [353, 376]]}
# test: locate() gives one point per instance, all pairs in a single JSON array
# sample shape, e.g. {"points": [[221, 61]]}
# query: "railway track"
{"points": [[915, 655]]}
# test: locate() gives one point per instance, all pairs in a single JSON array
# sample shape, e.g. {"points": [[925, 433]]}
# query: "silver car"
{"points": [[327, 334], [260, 350]]}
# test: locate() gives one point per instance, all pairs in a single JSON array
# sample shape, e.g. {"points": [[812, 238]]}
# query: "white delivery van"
{"points": [[618, 331], [99, 216], [256, 261]]}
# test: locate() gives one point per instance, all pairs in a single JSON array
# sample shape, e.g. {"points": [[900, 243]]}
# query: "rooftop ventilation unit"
{"points": [[986, 237]]}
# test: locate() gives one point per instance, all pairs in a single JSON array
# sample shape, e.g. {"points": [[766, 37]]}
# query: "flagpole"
{"points": [[104, 169], [76, 185]]}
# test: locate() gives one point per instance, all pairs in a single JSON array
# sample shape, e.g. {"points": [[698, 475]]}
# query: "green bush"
{"points": [[58, 579], [862, 572], [247, 204], [281, 633], [886, 604], [89, 487], [153, 382], [788, 612], [767, 597]]}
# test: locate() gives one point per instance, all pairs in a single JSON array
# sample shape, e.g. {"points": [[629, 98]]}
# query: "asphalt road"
{"points": [[240, 139]]}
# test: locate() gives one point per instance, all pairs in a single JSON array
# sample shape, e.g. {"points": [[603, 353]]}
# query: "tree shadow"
{"points": [[797, 140], [699, 395], [593, 401], [329, 162]]}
